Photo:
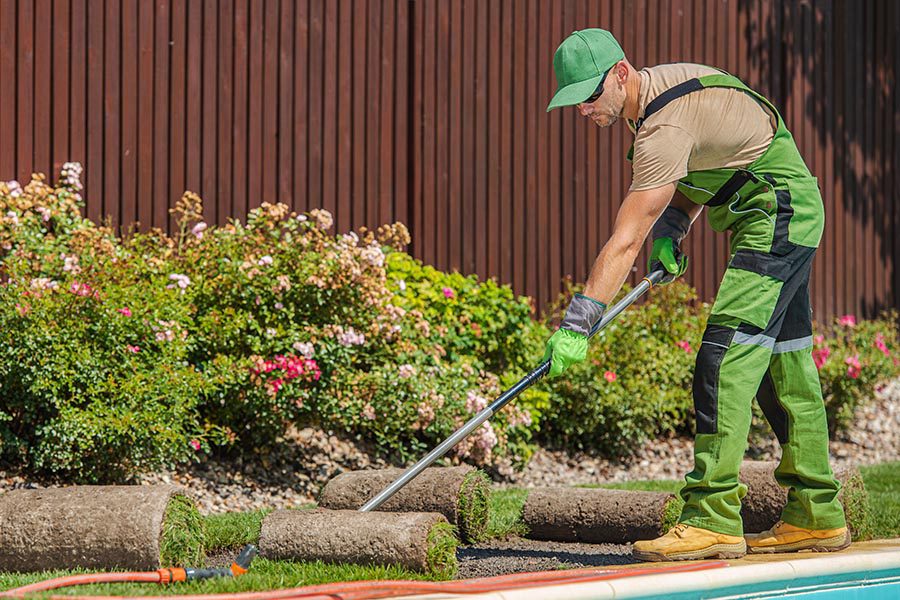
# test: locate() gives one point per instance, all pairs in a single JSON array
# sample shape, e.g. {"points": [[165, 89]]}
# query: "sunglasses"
{"points": [[599, 91]]}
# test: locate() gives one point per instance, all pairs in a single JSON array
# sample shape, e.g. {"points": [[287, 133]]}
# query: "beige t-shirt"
{"points": [[713, 128]]}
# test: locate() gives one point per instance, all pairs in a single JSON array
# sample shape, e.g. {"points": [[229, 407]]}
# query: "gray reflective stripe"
{"points": [[714, 344], [793, 345], [754, 340]]}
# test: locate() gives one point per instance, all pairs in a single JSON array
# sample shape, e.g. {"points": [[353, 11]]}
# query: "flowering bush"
{"points": [[853, 357], [244, 329]]}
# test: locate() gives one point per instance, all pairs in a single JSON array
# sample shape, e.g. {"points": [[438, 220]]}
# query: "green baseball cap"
{"points": [[580, 62]]}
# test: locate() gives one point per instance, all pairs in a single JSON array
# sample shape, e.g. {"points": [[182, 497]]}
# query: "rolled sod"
{"points": [[597, 516], [761, 507], [99, 527], [422, 542], [459, 493]]}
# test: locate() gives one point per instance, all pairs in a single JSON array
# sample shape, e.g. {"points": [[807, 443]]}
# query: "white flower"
{"points": [[44, 283], [373, 255], [474, 402], [180, 281], [271, 332], [304, 348], [351, 338], [279, 306], [12, 216], [71, 265], [265, 261], [401, 283], [407, 371], [302, 218]]}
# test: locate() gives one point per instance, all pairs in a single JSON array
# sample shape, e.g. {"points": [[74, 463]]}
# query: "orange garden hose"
{"points": [[361, 590]]}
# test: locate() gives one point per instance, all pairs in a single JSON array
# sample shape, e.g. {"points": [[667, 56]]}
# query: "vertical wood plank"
{"points": [[269, 167], [129, 125], [286, 59], [302, 120], [177, 105], [386, 118], [255, 92], [146, 77], [43, 116], [8, 93], [60, 94], [209, 115], [193, 124], [344, 119]]}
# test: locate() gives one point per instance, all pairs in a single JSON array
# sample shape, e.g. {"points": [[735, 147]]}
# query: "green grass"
{"points": [[441, 553], [883, 487], [182, 542], [506, 513], [233, 530], [473, 506]]}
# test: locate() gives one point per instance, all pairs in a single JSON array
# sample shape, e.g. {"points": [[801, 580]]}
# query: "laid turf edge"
{"points": [[183, 537], [440, 557], [670, 513], [473, 506], [855, 499]]}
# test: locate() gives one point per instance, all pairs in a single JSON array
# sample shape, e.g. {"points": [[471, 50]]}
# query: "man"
{"points": [[705, 134]]}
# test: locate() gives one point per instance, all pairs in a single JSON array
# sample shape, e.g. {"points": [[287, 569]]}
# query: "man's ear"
{"points": [[621, 69]]}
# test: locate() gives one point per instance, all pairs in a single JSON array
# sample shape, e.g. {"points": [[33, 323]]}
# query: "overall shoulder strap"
{"points": [[722, 79]]}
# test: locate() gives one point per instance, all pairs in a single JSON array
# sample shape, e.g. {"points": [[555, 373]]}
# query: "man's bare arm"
{"points": [[636, 217]]}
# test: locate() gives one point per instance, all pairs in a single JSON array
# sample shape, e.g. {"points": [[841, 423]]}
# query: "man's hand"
{"points": [[666, 255], [673, 225], [570, 342]]}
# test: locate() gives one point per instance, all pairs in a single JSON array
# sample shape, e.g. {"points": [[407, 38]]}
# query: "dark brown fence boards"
{"points": [[432, 113]]}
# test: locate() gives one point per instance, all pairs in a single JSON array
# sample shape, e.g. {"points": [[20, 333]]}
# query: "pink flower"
{"points": [[133, 349], [475, 402], [198, 229], [820, 355], [448, 292], [847, 321], [195, 444], [854, 368], [125, 311], [684, 345], [879, 343], [819, 340], [368, 412], [81, 289], [406, 371], [351, 338], [609, 376]]}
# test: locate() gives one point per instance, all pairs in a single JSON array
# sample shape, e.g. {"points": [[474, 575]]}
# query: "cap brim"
{"points": [[574, 93]]}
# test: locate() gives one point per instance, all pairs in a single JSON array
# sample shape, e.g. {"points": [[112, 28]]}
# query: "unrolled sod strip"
{"points": [[761, 507], [459, 493], [597, 516], [98, 527], [422, 542]]}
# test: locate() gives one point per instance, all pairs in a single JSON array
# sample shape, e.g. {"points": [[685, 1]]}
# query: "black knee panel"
{"points": [[716, 340]]}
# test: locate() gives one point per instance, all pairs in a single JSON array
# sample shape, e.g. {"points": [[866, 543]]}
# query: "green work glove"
{"points": [[570, 342], [668, 231], [666, 254]]}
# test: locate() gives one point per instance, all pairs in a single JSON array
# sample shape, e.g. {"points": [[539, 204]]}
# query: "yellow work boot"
{"points": [[684, 542], [784, 537]]}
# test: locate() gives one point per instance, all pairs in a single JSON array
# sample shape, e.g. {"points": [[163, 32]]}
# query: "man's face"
{"points": [[605, 110]]}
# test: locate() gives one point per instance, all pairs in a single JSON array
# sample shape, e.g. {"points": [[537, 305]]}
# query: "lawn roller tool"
{"points": [[420, 541], [505, 398]]}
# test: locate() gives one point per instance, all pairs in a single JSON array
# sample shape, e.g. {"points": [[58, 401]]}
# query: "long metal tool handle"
{"points": [[504, 399]]}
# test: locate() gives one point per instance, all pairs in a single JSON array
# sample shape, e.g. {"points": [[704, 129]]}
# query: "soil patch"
{"points": [[519, 555]]}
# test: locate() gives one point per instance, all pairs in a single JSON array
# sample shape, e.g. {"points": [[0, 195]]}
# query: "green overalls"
{"points": [[758, 341]]}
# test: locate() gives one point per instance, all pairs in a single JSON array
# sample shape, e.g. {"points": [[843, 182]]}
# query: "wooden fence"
{"points": [[433, 113]]}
